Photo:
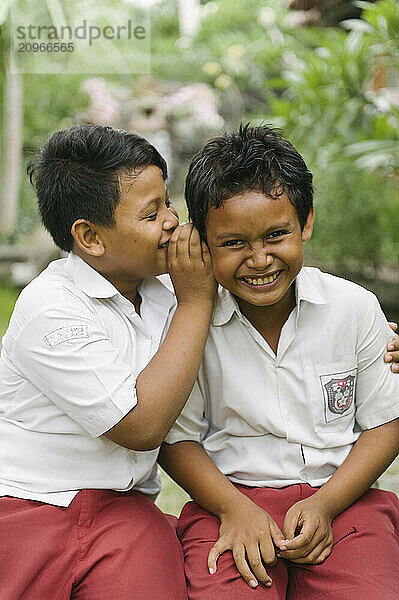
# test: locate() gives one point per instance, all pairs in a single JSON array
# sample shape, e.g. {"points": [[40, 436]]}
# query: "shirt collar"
{"points": [[226, 305], [92, 283], [306, 290], [158, 290]]}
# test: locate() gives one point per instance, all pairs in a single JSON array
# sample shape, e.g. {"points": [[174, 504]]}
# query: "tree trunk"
{"points": [[12, 148], [189, 17]]}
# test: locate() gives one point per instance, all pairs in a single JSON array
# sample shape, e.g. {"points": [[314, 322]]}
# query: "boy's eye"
{"points": [[152, 217], [277, 234], [233, 243]]}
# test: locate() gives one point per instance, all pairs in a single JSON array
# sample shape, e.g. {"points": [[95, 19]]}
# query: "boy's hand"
{"points": [[392, 355], [308, 533], [190, 266], [251, 534]]}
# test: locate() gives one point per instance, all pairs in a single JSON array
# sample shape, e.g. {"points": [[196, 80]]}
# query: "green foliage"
{"points": [[317, 84], [172, 497], [349, 134], [51, 101], [8, 296]]}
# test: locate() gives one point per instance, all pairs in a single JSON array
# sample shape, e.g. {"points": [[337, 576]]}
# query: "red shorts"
{"points": [[104, 546], [363, 565]]}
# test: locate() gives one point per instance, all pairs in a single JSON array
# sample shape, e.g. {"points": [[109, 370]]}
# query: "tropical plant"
{"points": [[331, 90]]}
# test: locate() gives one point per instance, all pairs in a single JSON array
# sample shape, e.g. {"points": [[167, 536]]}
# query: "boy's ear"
{"points": [[87, 237], [308, 227]]}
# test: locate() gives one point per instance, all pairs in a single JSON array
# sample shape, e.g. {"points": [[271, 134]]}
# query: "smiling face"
{"points": [[256, 245], [145, 219]]}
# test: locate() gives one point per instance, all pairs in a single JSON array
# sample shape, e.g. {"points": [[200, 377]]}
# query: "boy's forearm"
{"points": [[174, 368], [190, 466], [369, 458], [164, 385]]}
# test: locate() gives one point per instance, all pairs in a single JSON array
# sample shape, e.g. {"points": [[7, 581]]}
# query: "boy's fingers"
{"points": [[303, 544], [257, 567], [195, 244], [289, 528], [322, 549], [268, 552], [206, 255], [195, 236], [185, 231], [276, 534], [242, 566], [172, 246], [214, 554], [312, 555], [394, 343], [393, 325], [392, 356], [183, 244], [323, 555], [306, 535]]}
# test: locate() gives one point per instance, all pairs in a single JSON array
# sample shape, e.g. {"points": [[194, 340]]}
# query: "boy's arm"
{"points": [[376, 397], [164, 385], [245, 529], [370, 456], [392, 355], [84, 373]]}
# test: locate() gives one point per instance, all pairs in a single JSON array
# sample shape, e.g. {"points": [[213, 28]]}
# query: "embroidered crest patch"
{"points": [[340, 393]]}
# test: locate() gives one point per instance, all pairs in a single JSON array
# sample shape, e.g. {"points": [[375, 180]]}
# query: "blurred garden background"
{"points": [[325, 71]]}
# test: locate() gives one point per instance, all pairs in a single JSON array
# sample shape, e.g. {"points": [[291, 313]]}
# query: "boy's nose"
{"points": [[259, 260], [172, 222]]}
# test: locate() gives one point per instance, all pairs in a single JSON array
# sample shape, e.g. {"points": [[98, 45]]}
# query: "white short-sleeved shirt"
{"points": [[68, 368], [276, 420]]}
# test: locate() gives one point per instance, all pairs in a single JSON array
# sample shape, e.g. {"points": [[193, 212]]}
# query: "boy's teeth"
{"points": [[261, 280]]}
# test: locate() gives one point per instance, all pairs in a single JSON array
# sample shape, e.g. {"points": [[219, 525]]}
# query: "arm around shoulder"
{"points": [[392, 354]]}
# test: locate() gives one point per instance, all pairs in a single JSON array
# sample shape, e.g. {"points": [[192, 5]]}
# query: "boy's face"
{"points": [[145, 220], [256, 245]]}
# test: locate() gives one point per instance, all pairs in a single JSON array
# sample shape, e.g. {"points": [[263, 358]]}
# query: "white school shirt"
{"points": [[68, 369], [276, 420]]}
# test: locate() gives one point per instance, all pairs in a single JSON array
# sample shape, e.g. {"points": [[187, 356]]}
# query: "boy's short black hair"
{"points": [[77, 176], [250, 159]]}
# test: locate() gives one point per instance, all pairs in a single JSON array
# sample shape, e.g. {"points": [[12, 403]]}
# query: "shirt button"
{"points": [[133, 458], [289, 419]]}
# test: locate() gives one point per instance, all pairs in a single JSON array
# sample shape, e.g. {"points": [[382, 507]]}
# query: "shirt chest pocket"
{"points": [[331, 389]]}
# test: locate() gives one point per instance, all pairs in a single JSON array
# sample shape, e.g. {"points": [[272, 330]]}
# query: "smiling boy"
{"points": [[87, 390], [294, 415]]}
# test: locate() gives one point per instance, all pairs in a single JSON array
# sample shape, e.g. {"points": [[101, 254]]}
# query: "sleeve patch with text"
{"points": [[65, 334]]}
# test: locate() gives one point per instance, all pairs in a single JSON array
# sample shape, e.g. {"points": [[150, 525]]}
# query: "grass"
{"points": [[172, 498], [8, 296]]}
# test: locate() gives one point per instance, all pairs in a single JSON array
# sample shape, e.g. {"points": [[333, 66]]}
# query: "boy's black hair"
{"points": [[77, 176], [250, 159]]}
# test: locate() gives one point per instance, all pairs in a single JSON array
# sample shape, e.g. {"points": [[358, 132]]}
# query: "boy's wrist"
{"points": [[201, 304], [326, 503], [235, 505]]}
